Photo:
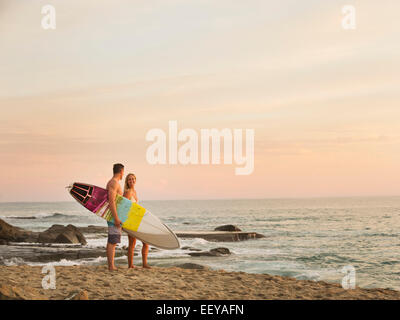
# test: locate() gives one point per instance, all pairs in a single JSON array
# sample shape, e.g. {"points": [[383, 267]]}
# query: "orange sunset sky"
{"points": [[323, 101]]}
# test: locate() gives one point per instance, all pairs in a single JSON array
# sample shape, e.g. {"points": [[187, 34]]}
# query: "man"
{"points": [[114, 228]]}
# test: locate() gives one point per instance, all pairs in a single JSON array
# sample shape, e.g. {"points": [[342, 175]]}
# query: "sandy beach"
{"points": [[97, 283]]}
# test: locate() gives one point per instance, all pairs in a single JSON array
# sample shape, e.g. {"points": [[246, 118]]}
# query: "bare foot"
{"points": [[146, 266], [131, 267], [112, 269]]}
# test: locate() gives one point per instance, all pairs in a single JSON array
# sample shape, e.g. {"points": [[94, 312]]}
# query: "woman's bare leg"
{"points": [[145, 252], [131, 249]]}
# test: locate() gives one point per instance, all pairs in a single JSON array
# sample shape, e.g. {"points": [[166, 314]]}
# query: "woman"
{"points": [[130, 193]]}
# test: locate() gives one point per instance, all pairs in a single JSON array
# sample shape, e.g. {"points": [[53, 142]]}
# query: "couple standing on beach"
{"points": [[115, 229]]}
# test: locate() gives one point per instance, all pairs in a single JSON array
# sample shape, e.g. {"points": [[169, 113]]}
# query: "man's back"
{"points": [[113, 185]]}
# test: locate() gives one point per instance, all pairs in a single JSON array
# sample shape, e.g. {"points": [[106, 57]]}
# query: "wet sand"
{"points": [[172, 283]]}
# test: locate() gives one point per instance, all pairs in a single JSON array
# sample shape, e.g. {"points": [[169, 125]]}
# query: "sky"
{"points": [[323, 101]]}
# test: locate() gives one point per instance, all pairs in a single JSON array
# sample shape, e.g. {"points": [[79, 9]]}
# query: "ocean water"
{"points": [[305, 238]]}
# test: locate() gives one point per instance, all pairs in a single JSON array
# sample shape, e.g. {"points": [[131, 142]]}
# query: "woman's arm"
{"points": [[127, 194]]}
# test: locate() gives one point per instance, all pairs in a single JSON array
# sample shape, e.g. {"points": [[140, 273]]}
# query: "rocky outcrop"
{"points": [[55, 234], [227, 227], [217, 252], [50, 253], [61, 234], [219, 236], [15, 234], [192, 266], [190, 248], [220, 251], [93, 229]]}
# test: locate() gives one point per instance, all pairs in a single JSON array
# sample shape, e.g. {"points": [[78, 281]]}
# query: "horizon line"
{"points": [[216, 199]]}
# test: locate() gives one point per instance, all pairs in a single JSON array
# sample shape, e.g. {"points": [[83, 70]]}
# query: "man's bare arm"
{"points": [[112, 192]]}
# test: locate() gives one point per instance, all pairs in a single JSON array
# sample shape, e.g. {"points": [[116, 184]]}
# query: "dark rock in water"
{"points": [[49, 235], [192, 266], [24, 218], [217, 252], [219, 236], [227, 227], [78, 234], [55, 234], [202, 254], [93, 229], [21, 254], [3, 242], [11, 233], [190, 248], [61, 234], [66, 237], [220, 251]]}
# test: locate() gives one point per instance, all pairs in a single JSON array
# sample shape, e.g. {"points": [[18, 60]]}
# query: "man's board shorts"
{"points": [[114, 233]]}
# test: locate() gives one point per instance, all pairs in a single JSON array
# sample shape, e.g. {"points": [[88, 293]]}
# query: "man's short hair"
{"points": [[117, 168]]}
